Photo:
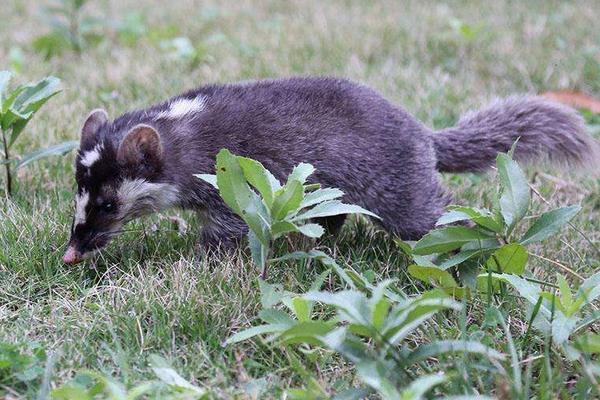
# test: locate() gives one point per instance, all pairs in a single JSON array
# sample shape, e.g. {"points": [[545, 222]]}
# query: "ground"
{"points": [[149, 292]]}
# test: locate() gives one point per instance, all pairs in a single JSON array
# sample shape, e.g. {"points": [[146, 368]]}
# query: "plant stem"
{"points": [[7, 165]]}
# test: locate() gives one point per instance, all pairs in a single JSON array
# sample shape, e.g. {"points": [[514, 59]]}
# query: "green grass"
{"points": [[149, 292]]}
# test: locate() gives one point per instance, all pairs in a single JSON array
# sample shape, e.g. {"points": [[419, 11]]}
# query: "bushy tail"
{"points": [[544, 129]]}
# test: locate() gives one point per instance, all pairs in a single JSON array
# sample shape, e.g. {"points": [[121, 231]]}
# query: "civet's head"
{"points": [[118, 179]]}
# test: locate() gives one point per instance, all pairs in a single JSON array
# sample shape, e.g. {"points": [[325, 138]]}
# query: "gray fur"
{"points": [[379, 155]]}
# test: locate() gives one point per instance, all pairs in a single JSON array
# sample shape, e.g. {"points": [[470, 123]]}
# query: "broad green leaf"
{"points": [[405, 320], [35, 94], [447, 239], [287, 200], [29, 100], [375, 374], [258, 176], [282, 227], [208, 178], [320, 196], [344, 343], [459, 258], [301, 172], [302, 309], [70, 391], [511, 257], [562, 327], [56, 150], [515, 198], [275, 316], [351, 305], [309, 332], [239, 197], [566, 296], [590, 288], [270, 295], [330, 208], [433, 276], [311, 230], [441, 347], [258, 250], [420, 386], [588, 343], [230, 180], [483, 218], [255, 331], [549, 223], [168, 375]]}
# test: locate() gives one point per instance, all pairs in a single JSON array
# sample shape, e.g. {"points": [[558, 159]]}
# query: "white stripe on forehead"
{"points": [[91, 156], [182, 107], [81, 202]]}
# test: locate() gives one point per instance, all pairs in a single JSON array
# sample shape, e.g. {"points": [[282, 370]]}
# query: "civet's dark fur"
{"points": [[379, 155]]}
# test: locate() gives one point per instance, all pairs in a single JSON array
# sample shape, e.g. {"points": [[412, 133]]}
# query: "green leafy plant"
{"points": [[557, 314], [367, 327], [270, 209], [21, 365], [17, 108], [71, 29], [491, 240], [169, 385]]}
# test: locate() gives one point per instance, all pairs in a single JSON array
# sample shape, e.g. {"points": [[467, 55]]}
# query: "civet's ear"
{"points": [[141, 148], [91, 125]]}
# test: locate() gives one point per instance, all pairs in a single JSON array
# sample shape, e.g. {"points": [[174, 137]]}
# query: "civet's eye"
{"points": [[108, 206]]}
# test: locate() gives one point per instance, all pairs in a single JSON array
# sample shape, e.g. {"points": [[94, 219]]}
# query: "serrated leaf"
{"points": [[331, 208], [549, 223], [447, 239], [515, 198], [301, 172], [320, 196], [311, 230]]}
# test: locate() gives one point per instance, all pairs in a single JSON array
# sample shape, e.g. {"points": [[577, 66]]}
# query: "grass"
{"points": [[149, 292]]}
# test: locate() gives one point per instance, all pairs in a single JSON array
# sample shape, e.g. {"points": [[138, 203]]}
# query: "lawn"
{"points": [[151, 293]]}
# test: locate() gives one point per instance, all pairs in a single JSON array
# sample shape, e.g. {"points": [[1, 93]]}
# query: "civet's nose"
{"points": [[72, 256]]}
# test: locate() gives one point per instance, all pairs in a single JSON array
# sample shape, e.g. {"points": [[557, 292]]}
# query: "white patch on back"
{"points": [[81, 202], [90, 157], [138, 197], [182, 107]]}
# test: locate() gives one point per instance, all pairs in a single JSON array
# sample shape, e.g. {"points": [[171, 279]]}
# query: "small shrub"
{"points": [[270, 209], [17, 108]]}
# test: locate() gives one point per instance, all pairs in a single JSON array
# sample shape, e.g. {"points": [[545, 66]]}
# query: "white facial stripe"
{"points": [[182, 107], [91, 156], [81, 202], [138, 197]]}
